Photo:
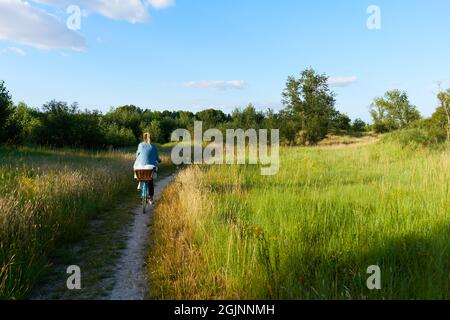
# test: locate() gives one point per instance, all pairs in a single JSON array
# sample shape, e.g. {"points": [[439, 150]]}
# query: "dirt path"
{"points": [[130, 274]]}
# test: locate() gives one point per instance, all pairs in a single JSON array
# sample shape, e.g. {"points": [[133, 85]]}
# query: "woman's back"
{"points": [[147, 155]]}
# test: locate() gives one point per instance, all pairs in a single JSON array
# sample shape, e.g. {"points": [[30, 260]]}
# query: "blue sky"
{"points": [[194, 54]]}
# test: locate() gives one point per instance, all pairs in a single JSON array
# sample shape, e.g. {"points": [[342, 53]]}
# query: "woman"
{"points": [[147, 158]]}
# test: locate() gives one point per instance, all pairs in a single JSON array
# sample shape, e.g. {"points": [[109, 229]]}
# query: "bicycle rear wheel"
{"points": [[144, 196]]}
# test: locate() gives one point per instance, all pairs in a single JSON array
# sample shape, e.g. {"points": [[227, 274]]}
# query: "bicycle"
{"points": [[144, 177]]}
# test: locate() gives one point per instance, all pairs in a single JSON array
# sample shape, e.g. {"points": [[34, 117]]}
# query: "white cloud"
{"points": [[15, 50], [30, 23], [161, 4], [24, 24], [341, 81], [19, 51], [133, 11], [216, 84]]}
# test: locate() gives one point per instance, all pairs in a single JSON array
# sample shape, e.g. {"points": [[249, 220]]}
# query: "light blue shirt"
{"points": [[147, 155]]}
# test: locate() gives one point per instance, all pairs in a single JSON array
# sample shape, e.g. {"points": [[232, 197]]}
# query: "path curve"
{"points": [[130, 277]]}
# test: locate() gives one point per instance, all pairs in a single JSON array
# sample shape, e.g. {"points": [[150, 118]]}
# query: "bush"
{"points": [[21, 126], [57, 124], [87, 132], [359, 125], [118, 137], [417, 137], [341, 122]]}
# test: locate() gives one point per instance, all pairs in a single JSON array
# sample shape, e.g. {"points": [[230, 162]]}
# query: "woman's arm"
{"points": [[157, 156], [139, 150]]}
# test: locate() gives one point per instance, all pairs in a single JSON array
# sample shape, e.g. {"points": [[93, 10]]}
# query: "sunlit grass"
{"points": [[310, 232], [47, 197]]}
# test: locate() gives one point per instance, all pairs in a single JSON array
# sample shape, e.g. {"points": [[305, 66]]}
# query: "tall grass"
{"points": [[312, 231], [47, 197]]}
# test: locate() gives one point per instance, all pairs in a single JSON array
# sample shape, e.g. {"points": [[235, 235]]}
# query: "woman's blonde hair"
{"points": [[147, 137]]}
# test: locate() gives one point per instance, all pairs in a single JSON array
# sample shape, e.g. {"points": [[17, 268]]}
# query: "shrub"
{"points": [[23, 125], [359, 125], [417, 137], [118, 136]]}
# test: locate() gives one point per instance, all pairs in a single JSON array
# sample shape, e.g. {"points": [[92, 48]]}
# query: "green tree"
{"points": [[118, 137], [167, 126], [87, 132], [5, 110], [341, 122], [444, 109], [128, 116], [359, 125], [248, 118], [57, 124], [270, 120], [154, 128], [310, 103], [211, 118], [393, 111], [185, 119], [23, 125]]}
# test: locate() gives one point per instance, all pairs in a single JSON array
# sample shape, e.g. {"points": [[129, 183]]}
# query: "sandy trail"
{"points": [[130, 275]]}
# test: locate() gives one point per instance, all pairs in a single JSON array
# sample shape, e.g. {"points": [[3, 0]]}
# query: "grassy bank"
{"points": [[46, 199], [312, 231]]}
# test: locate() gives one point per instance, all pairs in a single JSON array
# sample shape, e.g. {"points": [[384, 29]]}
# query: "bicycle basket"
{"points": [[144, 175]]}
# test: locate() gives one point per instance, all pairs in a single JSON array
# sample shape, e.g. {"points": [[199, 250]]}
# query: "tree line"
{"points": [[309, 114], [394, 112]]}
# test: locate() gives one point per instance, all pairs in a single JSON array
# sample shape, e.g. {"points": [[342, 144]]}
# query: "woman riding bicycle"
{"points": [[147, 158]]}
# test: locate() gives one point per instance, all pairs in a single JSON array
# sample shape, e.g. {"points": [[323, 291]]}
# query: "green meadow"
{"points": [[312, 231], [47, 198]]}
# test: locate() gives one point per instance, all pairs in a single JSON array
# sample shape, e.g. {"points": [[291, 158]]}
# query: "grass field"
{"points": [[310, 232], [46, 199]]}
